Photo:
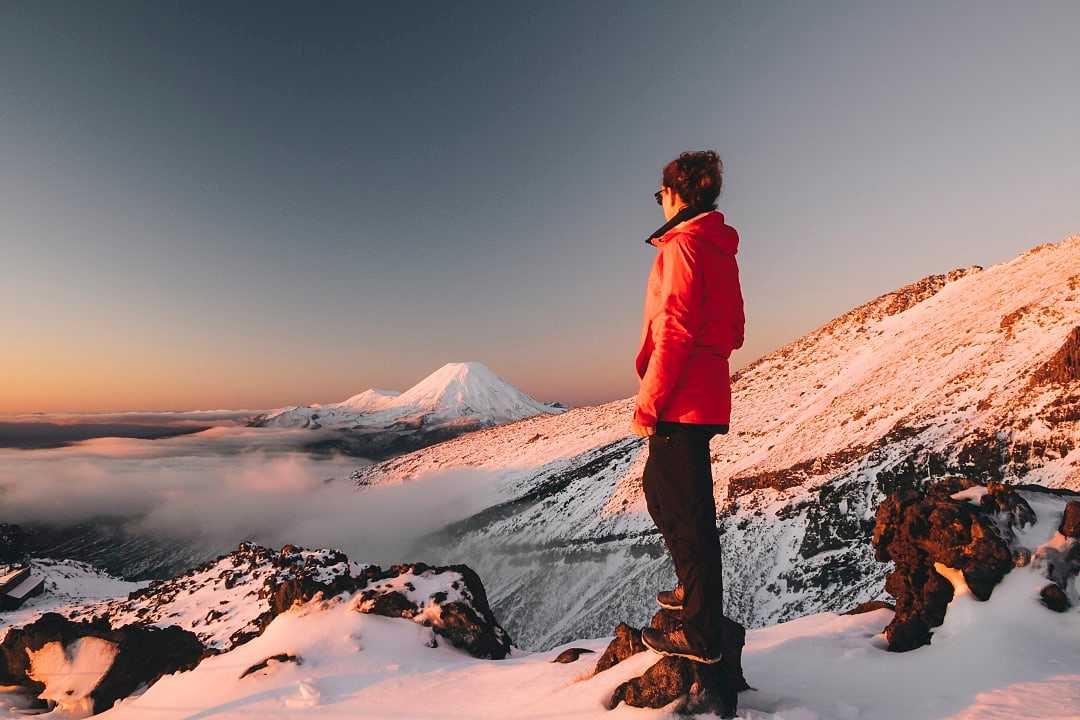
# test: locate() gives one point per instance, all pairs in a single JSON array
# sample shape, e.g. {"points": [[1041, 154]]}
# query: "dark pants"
{"points": [[679, 492]]}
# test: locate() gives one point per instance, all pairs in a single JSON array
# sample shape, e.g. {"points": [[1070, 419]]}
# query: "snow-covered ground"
{"points": [[1005, 658], [68, 583]]}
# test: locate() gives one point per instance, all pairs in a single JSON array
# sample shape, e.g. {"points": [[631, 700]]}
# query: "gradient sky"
{"points": [[229, 205]]}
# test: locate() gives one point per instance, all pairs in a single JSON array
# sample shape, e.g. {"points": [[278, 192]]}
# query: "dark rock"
{"points": [[697, 687], [459, 610], [144, 654], [918, 528], [13, 541], [1064, 366], [694, 687], [1054, 598], [467, 621], [390, 604], [627, 642], [294, 575], [1070, 520], [569, 655], [734, 638], [264, 663], [870, 606]]}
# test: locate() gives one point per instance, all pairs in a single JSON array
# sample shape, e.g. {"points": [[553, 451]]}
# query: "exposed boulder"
{"points": [[450, 599], [958, 524], [693, 687], [569, 655], [1054, 598], [627, 642], [90, 665], [1070, 520], [234, 598]]}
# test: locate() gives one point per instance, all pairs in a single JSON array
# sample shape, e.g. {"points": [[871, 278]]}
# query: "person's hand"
{"points": [[641, 430]]}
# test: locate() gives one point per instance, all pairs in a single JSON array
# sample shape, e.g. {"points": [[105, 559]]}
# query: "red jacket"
{"points": [[693, 320]]}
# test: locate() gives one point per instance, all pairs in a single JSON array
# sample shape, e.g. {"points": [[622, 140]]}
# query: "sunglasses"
{"points": [[656, 195]]}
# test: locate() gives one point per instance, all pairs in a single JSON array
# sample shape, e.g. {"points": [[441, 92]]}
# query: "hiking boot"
{"points": [[671, 599], [675, 643]]}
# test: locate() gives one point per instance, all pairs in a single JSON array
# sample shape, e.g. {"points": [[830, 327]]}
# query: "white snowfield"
{"points": [[455, 393], [939, 377]]}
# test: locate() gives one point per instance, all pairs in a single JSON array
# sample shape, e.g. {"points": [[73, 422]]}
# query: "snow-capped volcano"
{"points": [[456, 398], [469, 389], [975, 372]]}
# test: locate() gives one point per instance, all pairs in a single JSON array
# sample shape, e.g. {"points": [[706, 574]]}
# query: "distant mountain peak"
{"points": [[469, 388], [458, 394]]}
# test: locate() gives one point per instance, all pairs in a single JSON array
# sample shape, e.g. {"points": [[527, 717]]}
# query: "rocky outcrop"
{"points": [[954, 523], [229, 601], [44, 658], [457, 609], [627, 642], [693, 687], [1064, 366]]}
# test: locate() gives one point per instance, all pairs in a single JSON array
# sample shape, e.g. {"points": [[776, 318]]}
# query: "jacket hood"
{"points": [[708, 226]]}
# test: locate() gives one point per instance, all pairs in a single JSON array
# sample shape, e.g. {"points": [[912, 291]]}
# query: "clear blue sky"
{"points": [[248, 205]]}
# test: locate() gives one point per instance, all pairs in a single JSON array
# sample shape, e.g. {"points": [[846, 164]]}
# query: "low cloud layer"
{"points": [[228, 484]]}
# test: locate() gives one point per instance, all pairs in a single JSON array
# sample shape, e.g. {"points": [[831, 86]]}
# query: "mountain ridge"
{"points": [[917, 382]]}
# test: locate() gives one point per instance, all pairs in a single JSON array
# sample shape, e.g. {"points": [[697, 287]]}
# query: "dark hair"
{"points": [[696, 176]]}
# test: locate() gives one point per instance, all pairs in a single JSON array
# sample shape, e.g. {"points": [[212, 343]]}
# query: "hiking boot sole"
{"points": [[687, 655]]}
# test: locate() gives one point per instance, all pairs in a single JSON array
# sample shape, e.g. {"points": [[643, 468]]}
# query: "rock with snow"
{"points": [[626, 642], [449, 599], [685, 685], [967, 373], [953, 526], [1005, 657], [227, 601], [231, 600], [85, 667]]}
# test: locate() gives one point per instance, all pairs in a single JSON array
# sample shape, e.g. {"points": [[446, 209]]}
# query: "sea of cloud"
{"points": [[232, 483]]}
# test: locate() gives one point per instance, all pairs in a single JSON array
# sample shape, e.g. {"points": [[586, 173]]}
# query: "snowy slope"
{"points": [[68, 583], [457, 393], [973, 372], [1005, 658]]}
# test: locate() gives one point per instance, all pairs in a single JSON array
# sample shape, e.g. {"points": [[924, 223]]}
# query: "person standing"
{"points": [[693, 320]]}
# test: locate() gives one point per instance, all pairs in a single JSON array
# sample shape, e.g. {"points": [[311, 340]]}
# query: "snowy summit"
{"points": [[464, 394]]}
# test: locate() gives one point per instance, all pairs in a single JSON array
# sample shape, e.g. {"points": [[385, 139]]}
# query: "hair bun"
{"points": [[697, 176]]}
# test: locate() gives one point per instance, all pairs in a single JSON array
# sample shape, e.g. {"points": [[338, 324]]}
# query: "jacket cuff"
{"points": [[643, 418]]}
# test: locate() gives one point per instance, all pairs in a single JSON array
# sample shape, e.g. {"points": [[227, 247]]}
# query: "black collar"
{"points": [[682, 216]]}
